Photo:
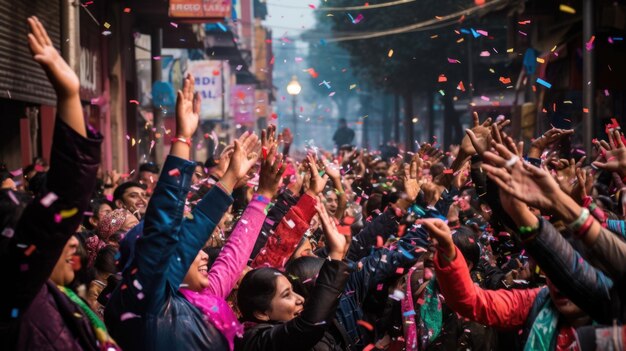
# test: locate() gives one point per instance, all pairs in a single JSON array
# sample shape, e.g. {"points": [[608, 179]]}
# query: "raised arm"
{"points": [[30, 255], [234, 255], [282, 244], [164, 215], [506, 309]]}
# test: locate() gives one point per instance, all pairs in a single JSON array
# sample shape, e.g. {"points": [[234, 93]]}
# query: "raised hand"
{"points": [[272, 169], [566, 174], [298, 179], [411, 179], [548, 138], [316, 182], [338, 244], [530, 184], [332, 169], [187, 109], [440, 232], [614, 155], [64, 80], [60, 74], [243, 158], [268, 139]]}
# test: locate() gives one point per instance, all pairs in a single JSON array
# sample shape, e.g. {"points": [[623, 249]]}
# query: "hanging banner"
{"points": [[242, 99], [212, 80], [200, 8]]}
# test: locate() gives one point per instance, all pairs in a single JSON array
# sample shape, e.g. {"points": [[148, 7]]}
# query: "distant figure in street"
{"points": [[343, 135]]}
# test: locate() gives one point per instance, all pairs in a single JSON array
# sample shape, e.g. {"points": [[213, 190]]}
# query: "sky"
{"points": [[289, 17]]}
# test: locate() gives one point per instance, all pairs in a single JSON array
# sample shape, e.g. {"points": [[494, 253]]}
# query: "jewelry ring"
{"points": [[511, 162]]}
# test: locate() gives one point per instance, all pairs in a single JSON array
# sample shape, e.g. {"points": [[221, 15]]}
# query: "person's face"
{"points": [[331, 202], [135, 200], [564, 305], [198, 175], [102, 211], [197, 277], [63, 272], [381, 168], [286, 304], [149, 179]]}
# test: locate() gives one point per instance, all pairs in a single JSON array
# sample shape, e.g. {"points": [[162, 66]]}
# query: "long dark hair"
{"points": [[256, 291], [302, 273]]}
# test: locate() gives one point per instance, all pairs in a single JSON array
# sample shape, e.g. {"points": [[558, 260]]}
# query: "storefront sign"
{"points": [[211, 80], [200, 8]]}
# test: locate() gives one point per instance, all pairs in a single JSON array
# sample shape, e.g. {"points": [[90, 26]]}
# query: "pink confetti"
{"points": [[174, 172], [451, 60], [312, 6], [58, 218], [483, 32], [128, 315], [175, 25], [49, 199]]}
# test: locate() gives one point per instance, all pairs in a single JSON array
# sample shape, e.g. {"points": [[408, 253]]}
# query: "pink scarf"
{"points": [[408, 315], [217, 312]]}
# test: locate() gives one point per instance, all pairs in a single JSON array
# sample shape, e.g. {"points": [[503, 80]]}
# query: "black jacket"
{"points": [[309, 330], [31, 310]]}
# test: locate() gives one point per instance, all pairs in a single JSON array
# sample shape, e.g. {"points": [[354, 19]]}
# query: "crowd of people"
{"points": [[489, 246]]}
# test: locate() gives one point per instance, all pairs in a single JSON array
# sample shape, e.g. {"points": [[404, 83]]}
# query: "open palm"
{"points": [[59, 73]]}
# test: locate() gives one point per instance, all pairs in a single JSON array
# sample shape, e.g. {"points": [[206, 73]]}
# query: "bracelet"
{"points": [[262, 199], [580, 221], [220, 185], [580, 233], [587, 202], [182, 140]]}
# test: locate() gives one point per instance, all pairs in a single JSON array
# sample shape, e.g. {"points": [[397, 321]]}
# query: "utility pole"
{"points": [[156, 42], [589, 84]]}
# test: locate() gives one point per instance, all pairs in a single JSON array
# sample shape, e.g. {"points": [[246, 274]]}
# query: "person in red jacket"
{"points": [[548, 319]]}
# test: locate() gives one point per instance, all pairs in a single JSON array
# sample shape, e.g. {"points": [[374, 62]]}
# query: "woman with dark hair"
{"points": [[276, 316], [103, 267]]}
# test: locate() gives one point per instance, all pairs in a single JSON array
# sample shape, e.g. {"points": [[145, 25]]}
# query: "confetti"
{"points": [[68, 213], [29, 250], [365, 325], [442, 78], [127, 10], [174, 172], [390, 53], [128, 315], [460, 87], [544, 83], [8, 232], [451, 60], [173, 24], [369, 347], [505, 80], [134, 102], [567, 9], [107, 25], [49, 199], [15, 313]]}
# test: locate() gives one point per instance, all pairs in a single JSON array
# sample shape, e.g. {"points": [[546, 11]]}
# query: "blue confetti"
{"points": [[322, 42], [475, 33], [409, 313], [15, 312], [544, 83], [405, 253], [222, 27], [465, 31], [351, 18], [618, 38]]}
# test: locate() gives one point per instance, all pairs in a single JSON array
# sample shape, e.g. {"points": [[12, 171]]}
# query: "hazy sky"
{"points": [[289, 17]]}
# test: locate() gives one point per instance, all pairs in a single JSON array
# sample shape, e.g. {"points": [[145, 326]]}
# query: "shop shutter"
{"points": [[21, 78]]}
